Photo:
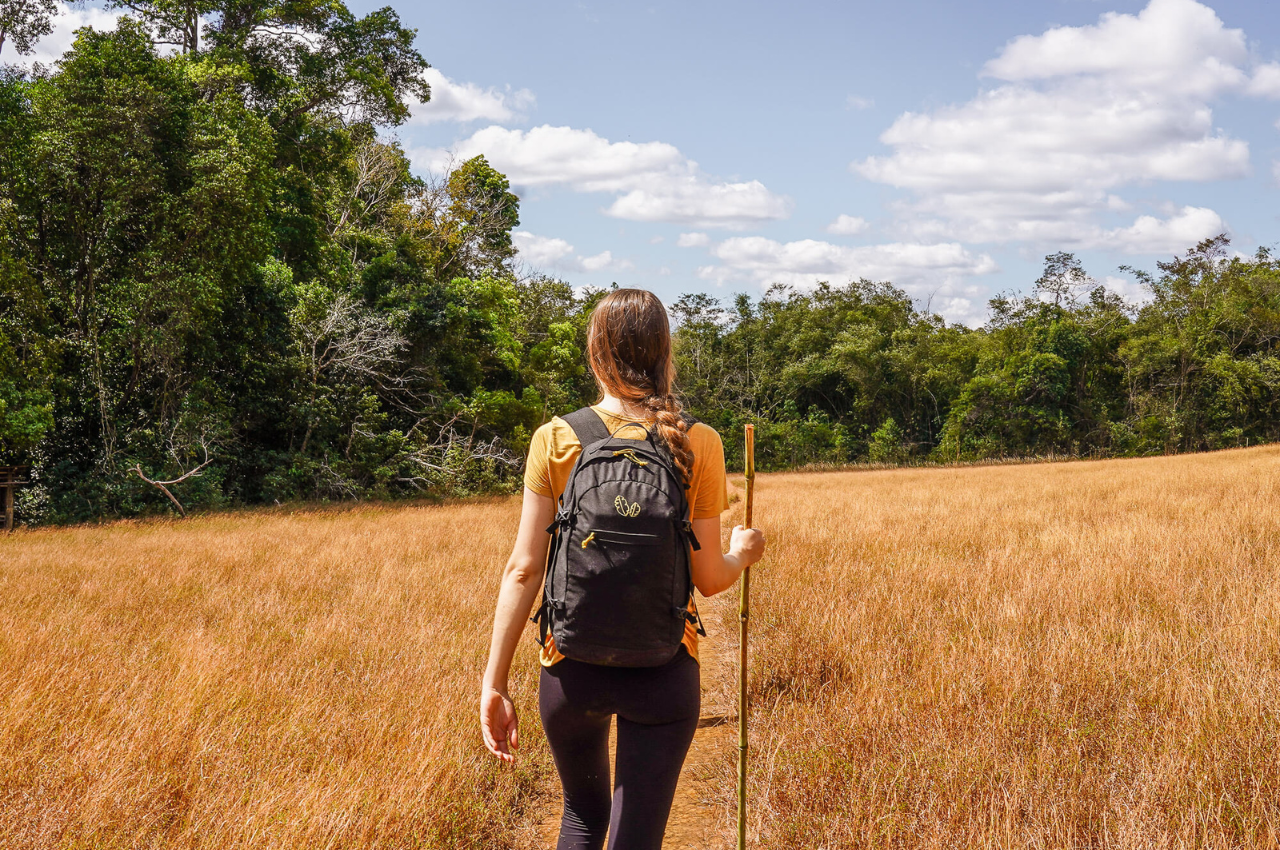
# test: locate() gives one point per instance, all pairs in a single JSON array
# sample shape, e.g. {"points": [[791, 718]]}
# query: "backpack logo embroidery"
{"points": [[627, 509]]}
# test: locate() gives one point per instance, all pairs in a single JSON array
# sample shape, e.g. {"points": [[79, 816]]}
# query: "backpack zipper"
{"points": [[625, 537], [630, 454]]}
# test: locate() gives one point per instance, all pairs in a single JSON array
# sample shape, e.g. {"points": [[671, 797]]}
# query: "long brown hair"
{"points": [[629, 348]]}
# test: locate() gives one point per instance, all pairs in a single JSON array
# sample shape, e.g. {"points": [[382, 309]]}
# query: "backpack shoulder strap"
{"points": [[587, 426]]}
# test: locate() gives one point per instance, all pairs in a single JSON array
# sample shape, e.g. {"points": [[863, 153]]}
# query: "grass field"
{"points": [[1055, 655], [265, 680], [1044, 656]]}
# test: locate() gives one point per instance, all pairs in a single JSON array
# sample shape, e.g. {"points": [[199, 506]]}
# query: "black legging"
{"points": [[657, 710]]}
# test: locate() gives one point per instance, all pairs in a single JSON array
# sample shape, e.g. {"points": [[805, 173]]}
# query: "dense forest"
{"points": [[217, 269]]}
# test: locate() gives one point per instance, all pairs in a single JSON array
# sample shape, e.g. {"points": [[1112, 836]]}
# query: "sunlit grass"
{"points": [[265, 680], [1055, 655], [1059, 655]]}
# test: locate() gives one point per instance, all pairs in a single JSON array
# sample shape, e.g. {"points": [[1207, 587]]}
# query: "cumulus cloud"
{"points": [[1151, 235], [697, 202], [653, 181], [1266, 81], [550, 253], [1130, 290], [1078, 114], [1173, 46], [847, 225], [692, 240], [541, 250], [600, 261], [466, 102], [65, 23], [938, 272]]}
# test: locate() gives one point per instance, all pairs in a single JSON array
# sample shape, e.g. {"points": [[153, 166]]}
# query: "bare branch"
{"points": [[377, 181], [165, 485], [349, 339], [444, 460]]}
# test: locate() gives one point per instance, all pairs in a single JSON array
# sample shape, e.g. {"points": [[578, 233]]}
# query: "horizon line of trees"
{"points": [[858, 373], [217, 276]]}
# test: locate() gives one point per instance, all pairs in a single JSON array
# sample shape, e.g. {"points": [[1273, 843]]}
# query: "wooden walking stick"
{"points": [[743, 608]]}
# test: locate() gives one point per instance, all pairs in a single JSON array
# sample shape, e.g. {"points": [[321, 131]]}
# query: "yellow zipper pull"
{"points": [[631, 455], [588, 539]]}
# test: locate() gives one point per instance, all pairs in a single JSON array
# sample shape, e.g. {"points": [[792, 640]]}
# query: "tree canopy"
{"points": [[25, 22], [216, 263]]}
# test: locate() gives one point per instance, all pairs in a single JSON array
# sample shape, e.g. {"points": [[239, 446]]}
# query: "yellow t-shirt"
{"points": [[554, 449]]}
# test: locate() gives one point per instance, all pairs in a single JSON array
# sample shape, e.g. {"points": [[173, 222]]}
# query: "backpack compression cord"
{"points": [[743, 602]]}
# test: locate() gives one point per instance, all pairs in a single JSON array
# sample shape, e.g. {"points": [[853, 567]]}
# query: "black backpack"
{"points": [[618, 583]]}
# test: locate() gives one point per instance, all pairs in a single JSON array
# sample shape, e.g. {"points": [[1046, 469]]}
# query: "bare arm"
{"points": [[713, 570], [521, 581]]}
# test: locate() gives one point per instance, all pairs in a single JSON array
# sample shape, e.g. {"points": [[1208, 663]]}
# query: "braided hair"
{"points": [[629, 349]]}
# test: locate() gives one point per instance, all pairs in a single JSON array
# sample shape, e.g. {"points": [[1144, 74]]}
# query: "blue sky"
{"points": [[705, 146]]}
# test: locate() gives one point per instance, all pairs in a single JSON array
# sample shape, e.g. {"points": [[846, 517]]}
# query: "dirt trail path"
{"points": [[696, 823]]}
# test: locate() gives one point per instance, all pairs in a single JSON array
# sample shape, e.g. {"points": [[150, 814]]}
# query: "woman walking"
{"points": [[618, 625]]}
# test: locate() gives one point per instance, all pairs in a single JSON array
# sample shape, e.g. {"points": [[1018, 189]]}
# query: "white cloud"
{"points": [[1266, 81], [854, 101], [546, 252], [1130, 290], [1081, 112], [600, 261], [847, 225], [692, 240], [465, 102], [1151, 235], [1275, 171], [938, 272], [1173, 46], [66, 21], [541, 250], [697, 202], [653, 180], [546, 156]]}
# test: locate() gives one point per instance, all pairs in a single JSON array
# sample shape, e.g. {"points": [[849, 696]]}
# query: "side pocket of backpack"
{"points": [[542, 617]]}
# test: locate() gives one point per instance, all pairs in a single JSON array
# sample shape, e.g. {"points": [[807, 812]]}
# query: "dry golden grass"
{"points": [[1058, 655], [265, 680]]}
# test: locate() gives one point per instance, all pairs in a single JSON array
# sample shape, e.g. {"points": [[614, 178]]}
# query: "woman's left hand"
{"points": [[499, 724]]}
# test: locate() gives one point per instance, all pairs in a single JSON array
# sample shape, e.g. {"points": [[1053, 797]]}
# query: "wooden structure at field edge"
{"points": [[10, 478]]}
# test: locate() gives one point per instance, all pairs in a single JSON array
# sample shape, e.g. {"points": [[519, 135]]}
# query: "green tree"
{"points": [[27, 345], [888, 444], [1062, 279], [465, 220], [148, 199], [1048, 379], [1202, 361], [26, 401], [25, 22], [176, 23]]}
